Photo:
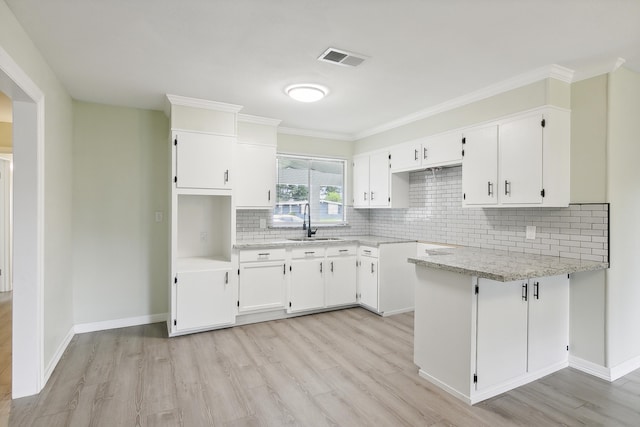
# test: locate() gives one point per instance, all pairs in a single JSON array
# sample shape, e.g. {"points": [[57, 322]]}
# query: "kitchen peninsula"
{"points": [[487, 321]]}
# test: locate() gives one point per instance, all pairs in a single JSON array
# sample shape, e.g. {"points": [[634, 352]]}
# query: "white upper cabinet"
{"points": [[522, 160], [255, 186], [374, 186], [439, 150], [480, 166], [203, 161]]}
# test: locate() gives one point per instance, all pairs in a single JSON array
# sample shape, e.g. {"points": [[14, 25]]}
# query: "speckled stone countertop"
{"points": [[502, 266], [284, 243]]}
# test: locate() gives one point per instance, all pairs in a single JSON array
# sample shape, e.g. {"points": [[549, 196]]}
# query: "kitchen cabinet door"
{"points": [[406, 157], [480, 166], [341, 281], [501, 346], [204, 299], [520, 162], [203, 160], [261, 286], [307, 284], [256, 181], [361, 181], [548, 321], [442, 150], [379, 179], [368, 282]]}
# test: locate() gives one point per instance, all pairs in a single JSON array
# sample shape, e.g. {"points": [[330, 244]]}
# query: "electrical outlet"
{"points": [[204, 236], [263, 223], [531, 232], [159, 216]]}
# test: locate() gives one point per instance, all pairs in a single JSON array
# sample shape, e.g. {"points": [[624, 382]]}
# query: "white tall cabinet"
{"points": [[203, 280], [255, 162]]}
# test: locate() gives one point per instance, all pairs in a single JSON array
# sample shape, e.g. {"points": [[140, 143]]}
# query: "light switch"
{"points": [[531, 232], [159, 216]]}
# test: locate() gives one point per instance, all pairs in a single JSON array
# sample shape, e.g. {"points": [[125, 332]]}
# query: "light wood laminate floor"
{"points": [[346, 368]]}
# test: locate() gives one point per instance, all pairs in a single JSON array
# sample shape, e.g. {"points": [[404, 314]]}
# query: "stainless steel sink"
{"points": [[313, 239]]}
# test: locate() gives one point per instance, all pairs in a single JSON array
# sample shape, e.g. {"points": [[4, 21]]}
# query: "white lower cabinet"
{"points": [[522, 328], [477, 338], [386, 280], [306, 288], [204, 299], [262, 284], [340, 277], [368, 277]]}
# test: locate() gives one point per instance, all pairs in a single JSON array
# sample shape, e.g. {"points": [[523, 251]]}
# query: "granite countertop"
{"points": [[502, 266], [284, 243]]}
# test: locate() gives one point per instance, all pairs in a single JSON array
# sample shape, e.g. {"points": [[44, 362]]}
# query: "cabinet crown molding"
{"points": [[247, 118], [199, 103]]}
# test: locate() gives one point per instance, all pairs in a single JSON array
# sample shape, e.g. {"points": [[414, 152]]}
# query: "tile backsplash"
{"points": [[435, 214]]}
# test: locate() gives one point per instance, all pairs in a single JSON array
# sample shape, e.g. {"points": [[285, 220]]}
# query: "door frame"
{"points": [[28, 269]]}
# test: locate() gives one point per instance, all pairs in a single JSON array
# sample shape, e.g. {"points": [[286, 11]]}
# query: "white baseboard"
{"points": [[120, 323], [57, 355], [444, 386], [590, 368], [624, 368], [399, 311]]}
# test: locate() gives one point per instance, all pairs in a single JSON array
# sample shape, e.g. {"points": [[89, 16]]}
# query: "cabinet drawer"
{"points": [[253, 255], [308, 252], [341, 250], [368, 251]]}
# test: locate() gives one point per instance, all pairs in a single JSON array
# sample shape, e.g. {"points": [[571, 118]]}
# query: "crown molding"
{"points": [[551, 71], [247, 118], [316, 134], [185, 101], [599, 68]]}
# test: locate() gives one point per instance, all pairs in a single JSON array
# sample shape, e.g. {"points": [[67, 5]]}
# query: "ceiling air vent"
{"points": [[342, 57]]}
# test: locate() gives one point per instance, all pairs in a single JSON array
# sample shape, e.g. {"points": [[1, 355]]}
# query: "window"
{"points": [[318, 182]]}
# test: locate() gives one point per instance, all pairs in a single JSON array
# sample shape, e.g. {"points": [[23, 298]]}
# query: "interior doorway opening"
{"points": [[28, 108]]}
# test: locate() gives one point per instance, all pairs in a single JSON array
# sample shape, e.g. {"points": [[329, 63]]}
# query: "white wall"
{"points": [[548, 91], [120, 179], [623, 192], [58, 303]]}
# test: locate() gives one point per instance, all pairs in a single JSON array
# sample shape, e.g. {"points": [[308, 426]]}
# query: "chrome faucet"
{"points": [[307, 212]]}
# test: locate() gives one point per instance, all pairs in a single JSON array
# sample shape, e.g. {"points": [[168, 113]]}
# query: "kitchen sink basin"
{"points": [[313, 239]]}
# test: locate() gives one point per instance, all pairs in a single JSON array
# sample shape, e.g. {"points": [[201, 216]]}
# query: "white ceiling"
{"points": [[422, 52]]}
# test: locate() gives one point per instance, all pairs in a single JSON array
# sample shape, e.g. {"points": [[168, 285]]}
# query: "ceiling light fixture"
{"points": [[306, 92]]}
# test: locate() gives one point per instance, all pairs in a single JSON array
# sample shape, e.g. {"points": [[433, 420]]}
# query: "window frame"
{"points": [[315, 224]]}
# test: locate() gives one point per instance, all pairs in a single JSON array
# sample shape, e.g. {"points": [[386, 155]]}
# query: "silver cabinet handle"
{"points": [[372, 195], [507, 188], [284, 269], [424, 154], [226, 176], [524, 291], [226, 277], [321, 267], [536, 290], [366, 251], [372, 268], [415, 154], [264, 254], [269, 195], [343, 250], [365, 195], [489, 188], [310, 253], [332, 266]]}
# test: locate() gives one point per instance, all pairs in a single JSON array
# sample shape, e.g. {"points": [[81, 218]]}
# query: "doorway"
{"points": [[27, 102]]}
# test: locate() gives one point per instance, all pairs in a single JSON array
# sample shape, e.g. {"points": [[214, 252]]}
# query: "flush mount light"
{"points": [[306, 92]]}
